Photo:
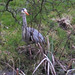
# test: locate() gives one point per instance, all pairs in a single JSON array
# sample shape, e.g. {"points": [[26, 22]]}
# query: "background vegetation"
{"points": [[43, 16]]}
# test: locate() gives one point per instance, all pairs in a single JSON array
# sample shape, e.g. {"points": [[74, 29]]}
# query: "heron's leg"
{"points": [[41, 49], [17, 71], [30, 50], [40, 52]]}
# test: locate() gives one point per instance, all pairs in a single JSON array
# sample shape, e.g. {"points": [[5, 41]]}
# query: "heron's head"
{"points": [[24, 11]]}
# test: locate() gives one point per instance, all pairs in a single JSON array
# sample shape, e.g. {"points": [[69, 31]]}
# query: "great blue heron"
{"points": [[30, 34]]}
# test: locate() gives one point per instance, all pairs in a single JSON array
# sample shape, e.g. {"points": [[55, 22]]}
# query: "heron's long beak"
{"points": [[27, 13]]}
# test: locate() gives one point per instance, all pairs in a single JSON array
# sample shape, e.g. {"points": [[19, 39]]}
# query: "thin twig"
{"points": [[62, 66], [48, 69], [51, 66], [38, 11], [10, 11], [66, 43], [8, 65], [39, 65], [71, 71]]}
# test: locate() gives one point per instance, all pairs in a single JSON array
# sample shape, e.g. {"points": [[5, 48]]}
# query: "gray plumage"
{"points": [[30, 34]]}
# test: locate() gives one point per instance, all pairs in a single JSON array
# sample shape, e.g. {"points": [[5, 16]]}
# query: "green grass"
{"points": [[12, 37]]}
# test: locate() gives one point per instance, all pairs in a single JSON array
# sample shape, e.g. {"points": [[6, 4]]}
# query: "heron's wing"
{"points": [[34, 35], [37, 37]]}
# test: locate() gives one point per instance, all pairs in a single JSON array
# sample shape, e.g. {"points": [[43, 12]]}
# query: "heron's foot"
{"points": [[30, 52]]}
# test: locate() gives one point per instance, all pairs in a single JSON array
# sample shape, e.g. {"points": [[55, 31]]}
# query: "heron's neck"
{"points": [[24, 21]]}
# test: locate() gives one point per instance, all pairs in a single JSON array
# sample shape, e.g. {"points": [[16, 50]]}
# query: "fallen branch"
{"points": [[70, 72], [38, 65], [62, 66], [50, 66]]}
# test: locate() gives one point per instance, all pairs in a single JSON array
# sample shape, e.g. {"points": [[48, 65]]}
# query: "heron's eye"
{"points": [[23, 9]]}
